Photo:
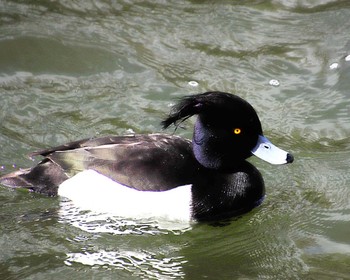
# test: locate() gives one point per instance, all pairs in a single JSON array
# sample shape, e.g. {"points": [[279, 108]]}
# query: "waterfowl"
{"points": [[207, 178]]}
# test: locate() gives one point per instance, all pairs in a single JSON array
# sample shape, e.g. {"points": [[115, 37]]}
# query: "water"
{"points": [[75, 69]]}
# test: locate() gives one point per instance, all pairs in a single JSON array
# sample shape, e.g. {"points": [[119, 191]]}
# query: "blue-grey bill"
{"points": [[267, 151]]}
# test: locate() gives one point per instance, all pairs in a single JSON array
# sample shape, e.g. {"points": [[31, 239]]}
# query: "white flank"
{"points": [[89, 190]]}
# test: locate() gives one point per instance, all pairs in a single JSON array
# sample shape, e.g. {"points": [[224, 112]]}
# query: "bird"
{"points": [[207, 178]]}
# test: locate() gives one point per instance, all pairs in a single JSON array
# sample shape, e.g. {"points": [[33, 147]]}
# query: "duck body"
{"points": [[207, 178]]}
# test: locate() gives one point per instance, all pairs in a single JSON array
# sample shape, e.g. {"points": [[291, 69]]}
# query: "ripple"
{"points": [[94, 222], [138, 263], [73, 69]]}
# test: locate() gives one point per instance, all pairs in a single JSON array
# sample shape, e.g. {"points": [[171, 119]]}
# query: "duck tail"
{"points": [[51, 176]]}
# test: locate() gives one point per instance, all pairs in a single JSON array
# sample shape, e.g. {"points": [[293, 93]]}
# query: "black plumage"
{"points": [[223, 183]]}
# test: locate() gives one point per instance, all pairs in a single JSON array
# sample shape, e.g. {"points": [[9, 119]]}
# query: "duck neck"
{"points": [[218, 195]]}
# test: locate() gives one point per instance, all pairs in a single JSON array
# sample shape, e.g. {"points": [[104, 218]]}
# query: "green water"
{"points": [[75, 69]]}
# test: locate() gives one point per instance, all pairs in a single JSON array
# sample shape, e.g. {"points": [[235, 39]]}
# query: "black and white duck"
{"points": [[207, 178]]}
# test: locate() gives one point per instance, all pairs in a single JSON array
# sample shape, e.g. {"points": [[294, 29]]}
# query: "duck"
{"points": [[207, 178]]}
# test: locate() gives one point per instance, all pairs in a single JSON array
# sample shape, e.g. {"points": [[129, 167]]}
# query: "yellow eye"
{"points": [[237, 131]]}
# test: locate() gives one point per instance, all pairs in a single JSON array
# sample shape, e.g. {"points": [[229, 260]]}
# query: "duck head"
{"points": [[227, 131]]}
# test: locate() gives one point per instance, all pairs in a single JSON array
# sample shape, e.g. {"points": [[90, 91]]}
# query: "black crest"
{"points": [[196, 104]]}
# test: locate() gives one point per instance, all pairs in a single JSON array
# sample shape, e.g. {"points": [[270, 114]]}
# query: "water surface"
{"points": [[76, 69]]}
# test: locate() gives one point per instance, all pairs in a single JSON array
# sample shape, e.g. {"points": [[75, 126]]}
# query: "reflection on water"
{"points": [[154, 262], [99, 222], [138, 263]]}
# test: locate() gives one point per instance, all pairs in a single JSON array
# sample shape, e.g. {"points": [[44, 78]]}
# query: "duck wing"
{"points": [[92, 142], [153, 162]]}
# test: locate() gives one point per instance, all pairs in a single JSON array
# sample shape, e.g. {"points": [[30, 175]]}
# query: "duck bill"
{"points": [[265, 150]]}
